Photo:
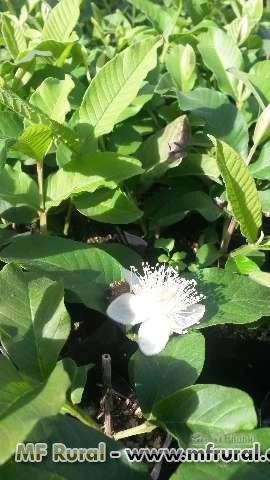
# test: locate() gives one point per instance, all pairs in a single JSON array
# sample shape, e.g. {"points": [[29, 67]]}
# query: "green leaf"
{"points": [[166, 244], [197, 164], [51, 97], [35, 141], [264, 196], [34, 115], [12, 469], [6, 234], [20, 106], [241, 191], [239, 29], [125, 255], [3, 153], [231, 298], [212, 471], [155, 153], [207, 254], [125, 140], [233, 470], [264, 245], [254, 10], [171, 206], [241, 439], [13, 35], [245, 265], [163, 258], [219, 53], [74, 434], [87, 144], [221, 117], [259, 75], [176, 367], [11, 124], [261, 168], [165, 85], [246, 258], [262, 128], [24, 403], [181, 64], [145, 94], [61, 21], [35, 329], [116, 85], [248, 249], [78, 377], [263, 278], [83, 269], [102, 169], [19, 197], [157, 15], [109, 206], [63, 155], [244, 77], [205, 409]]}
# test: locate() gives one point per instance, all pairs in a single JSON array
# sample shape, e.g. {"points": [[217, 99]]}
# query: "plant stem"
{"points": [[107, 398], [139, 430], [133, 15], [251, 153], [164, 51], [42, 213], [76, 412], [101, 144], [228, 231], [68, 218], [154, 117]]}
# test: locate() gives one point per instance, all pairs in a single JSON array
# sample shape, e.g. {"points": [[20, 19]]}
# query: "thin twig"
{"points": [[158, 465], [107, 398], [42, 212], [138, 430], [68, 218], [228, 235], [251, 153]]}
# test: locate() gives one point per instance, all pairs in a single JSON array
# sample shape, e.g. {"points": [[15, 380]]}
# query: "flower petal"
{"points": [[130, 277], [127, 309], [153, 336], [193, 314]]}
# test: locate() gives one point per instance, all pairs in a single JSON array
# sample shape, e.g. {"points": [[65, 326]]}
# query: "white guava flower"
{"points": [[161, 301]]}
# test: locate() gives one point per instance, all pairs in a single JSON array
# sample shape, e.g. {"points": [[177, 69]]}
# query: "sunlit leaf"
{"points": [[61, 21], [117, 84], [35, 141], [109, 206], [51, 97], [241, 191], [220, 53], [103, 169]]}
